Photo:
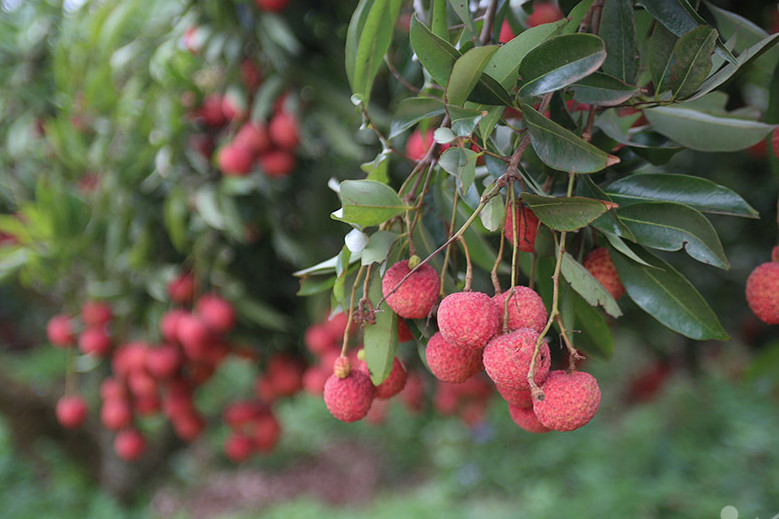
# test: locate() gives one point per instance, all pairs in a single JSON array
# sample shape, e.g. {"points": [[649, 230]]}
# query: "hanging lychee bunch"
{"points": [[763, 289]]}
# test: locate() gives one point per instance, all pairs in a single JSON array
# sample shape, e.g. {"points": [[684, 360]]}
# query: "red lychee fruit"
{"points": [[129, 444], [96, 313], [182, 288], [146, 405], [129, 357], [527, 222], [393, 384], [449, 363], [233, 106], [525, 309], [775, 139], [211, 111], [763, 292], [570, 400], [189, 425], [265, 431], [235, 160], [251, 74], [516, 397], [254, 138], [238, 447], [216, 312], [94, 341], [468, 319], [506, 34], [277, 163], [599, 263], [142, 384], [285, 374], [416, 296], [418, 145], [314, 380], [544, 12], [283, 130], [194, 336], [272, 6], [241, 412], [348, 392], [404, 333], [71, 411], [164, 362], [169, 324], [60, 332], [775, 252], [111, 389], [115, 414], [526, 419], [507, 359]]}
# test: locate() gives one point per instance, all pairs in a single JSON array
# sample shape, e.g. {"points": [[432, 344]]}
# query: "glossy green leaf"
{"points": [[611, 123], [367, 40], [565, 213], [412, 110], [504, 64], [618, 30], [378, 247], [461, 164], [699, 193], [488, 123], [706, 132], [367, 202], [669, 297], [660, 49], [562, 149], [692, 63], [587, 286], [596, 338], [466, 73], [669, 226], [559, 62], [381, 338], [619, 244], [602, 90], [610, 220], [576, 16], [436, 54]]}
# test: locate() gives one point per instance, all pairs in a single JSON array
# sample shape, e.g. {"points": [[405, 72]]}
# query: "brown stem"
{"points": [[468, 265], [345, 344], [447, 254], [499, 258], [489, 22], [573, 353]]}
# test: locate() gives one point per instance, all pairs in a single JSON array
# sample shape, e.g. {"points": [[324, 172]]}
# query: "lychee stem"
{"points": [[514, 234], [468, 265], [447, 254], [345, 345], [499, 257], [573, 353]]}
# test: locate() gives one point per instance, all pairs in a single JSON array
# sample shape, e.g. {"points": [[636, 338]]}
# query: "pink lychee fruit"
{"points": [[570, 400], [599, 263], [468, 319], [527, 223], [94, 341], [525, 308], [60, 332], [238, 447], [544, 12], [516, 397], [507, 359], [763, 292], [348, 392], [71, 411], [449, 363], [129, 444], [506, 34], [96, 313], [393, 384], [416, 296], [418, 145], [216, 312], [526, 419]]}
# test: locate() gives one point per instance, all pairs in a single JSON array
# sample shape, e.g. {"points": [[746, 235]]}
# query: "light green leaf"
{"points": [[596, 338], [381, 338], [436, 54], [466, 73], [461, 164], [378, 247], [378, 168], [367, 202], [492, 214]]}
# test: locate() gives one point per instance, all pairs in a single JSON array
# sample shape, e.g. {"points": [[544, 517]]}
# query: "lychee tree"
{"points": [[559, 121]]}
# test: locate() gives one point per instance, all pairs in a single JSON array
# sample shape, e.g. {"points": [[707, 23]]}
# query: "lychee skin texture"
{"points": [[393, 384], [507, 359], [349, 399], [763, 292], [416, 296], [468, 319], [449, 363], [570, 400], [526, 419], [599, 263], [522, 398], [527, 222], [525, 309]]}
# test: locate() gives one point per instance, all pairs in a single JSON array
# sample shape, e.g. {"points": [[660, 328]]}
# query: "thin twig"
{"points": [[489, 22]]}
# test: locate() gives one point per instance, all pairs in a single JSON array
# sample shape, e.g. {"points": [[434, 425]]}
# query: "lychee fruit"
{"points": [[273, 6], [526, 419], [71, 411], [129, 444], [277, 163], [265, 431], [517, 397], [216, 312], [94, 341], [449, 363], [416, 296], [525, 309], [404, 333], [763, 292], [527, 223], [60, 332], [570, 400], [115, 414], [164, 362], [468, 319], [506, 34], [194, 336], [253, 137], [418, 144], [348, 392], [544, 12], [238, 447], [393, 384], [96, 313], [169, 324], [235, 159], [507, 359], [599, 263], [283, 129], [182, 288]]}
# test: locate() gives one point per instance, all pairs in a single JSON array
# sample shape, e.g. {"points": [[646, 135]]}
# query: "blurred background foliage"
{"points": [[105, 193]]}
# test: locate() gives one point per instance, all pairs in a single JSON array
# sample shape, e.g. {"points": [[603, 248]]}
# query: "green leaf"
{"points": [[699, 193], [692, 63], [367, 40], [464, 120], [487, 124], [261, 314], [596, 338], [378, 168], [730, 24], [440, 23], [565, 213], [610, 221], [670, 226], [705, 132], [618, 243], [466, 72], [311, 286], [461, 7], [412, 110], [436, 54], [504, 64], [660, 49], [461, 164], [378, 247], [559, 62], [610, 123], [367, 202], [176, 215], [561, 149], [602, 90], [207, 205], [668, 296], [492, 214], [587, 286], [381, 338], [618, 30]]}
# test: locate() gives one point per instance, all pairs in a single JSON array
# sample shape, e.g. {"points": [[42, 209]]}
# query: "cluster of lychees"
{"points": [[763, 289]]}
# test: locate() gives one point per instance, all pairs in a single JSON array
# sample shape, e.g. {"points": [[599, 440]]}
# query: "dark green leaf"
{"points": [[367, 202], [618, 30], [466, 73], [618, 243], [668, 296], [660, 48], [611, 123], [561, 149], [670, 226], [559, 62], [464, 120], [412, 110], [602, 90], [587, 286], [461, 7], [381, 338], [706, 132], [596, 338], [487, 124], [439, 24], [698, 193], [730, 24], [565, 213], [692, 63], [436, 54], [461, 164], [610, 221]]}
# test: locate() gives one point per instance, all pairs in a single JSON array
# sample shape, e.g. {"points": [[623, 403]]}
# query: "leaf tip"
{"points": [[611, 160]]}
